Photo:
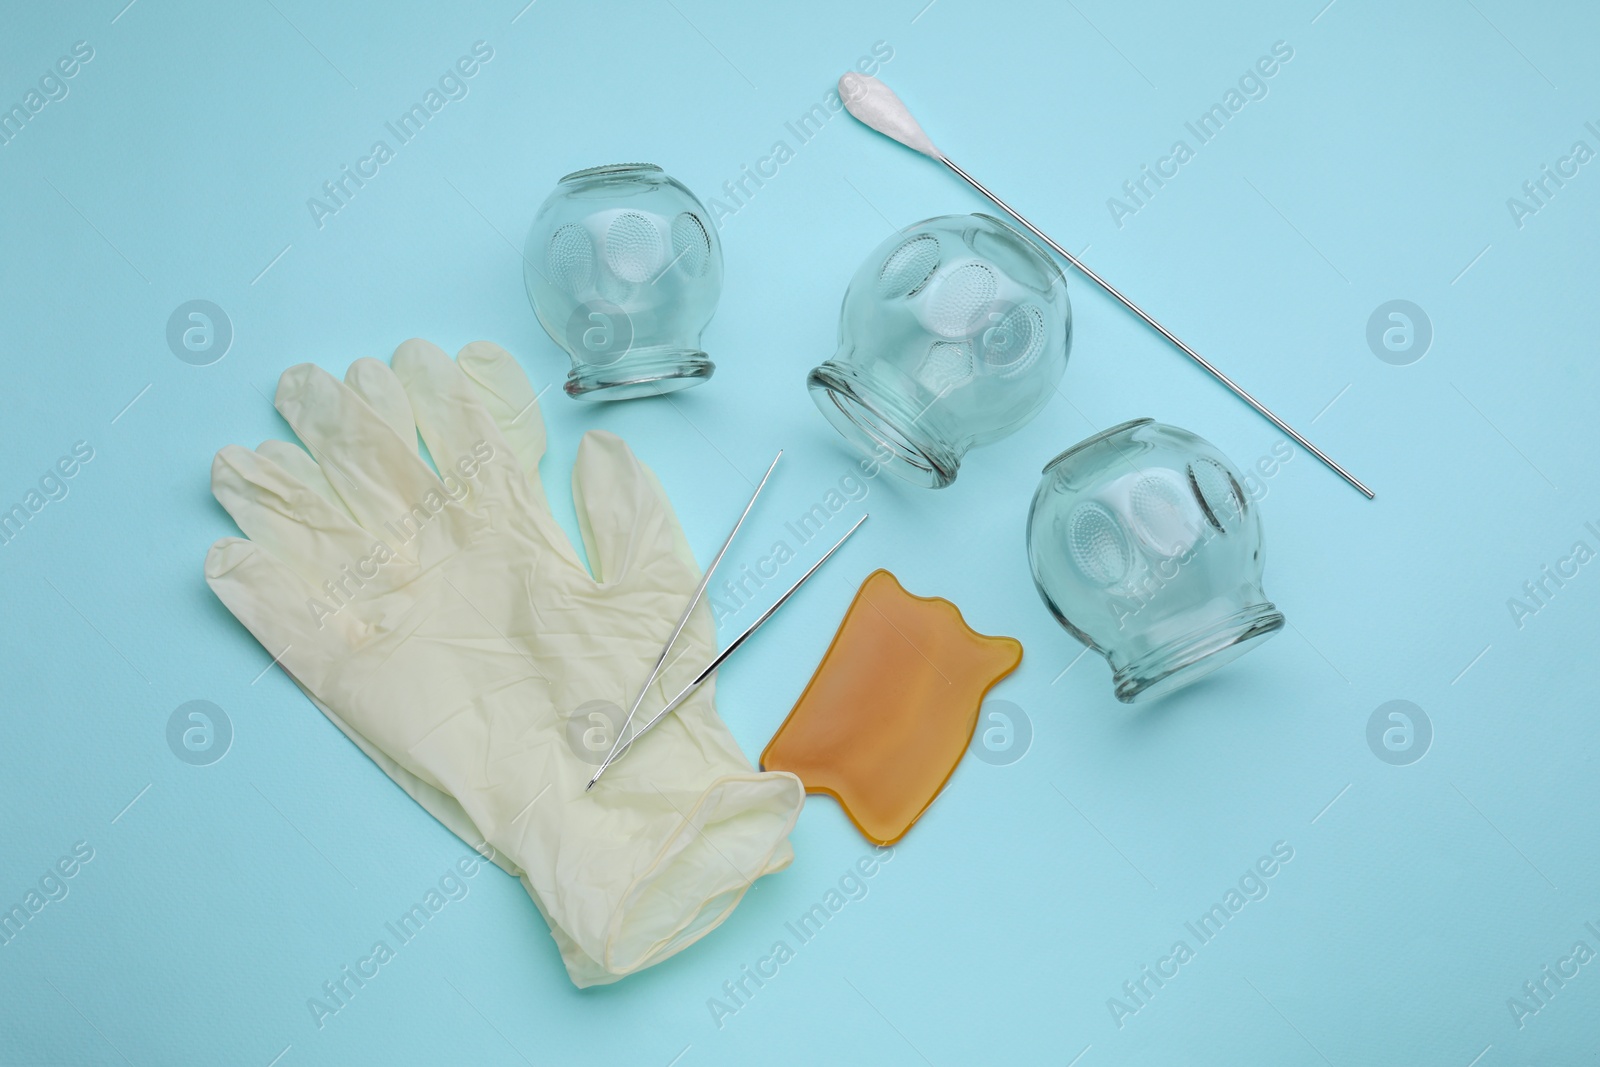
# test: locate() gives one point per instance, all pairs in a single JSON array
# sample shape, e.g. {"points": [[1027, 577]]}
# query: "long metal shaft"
{"points": [[1260, 408], [683, 620], [733, 646]]}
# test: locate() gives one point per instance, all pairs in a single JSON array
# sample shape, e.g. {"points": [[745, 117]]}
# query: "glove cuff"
{"points": [[735, 832]]}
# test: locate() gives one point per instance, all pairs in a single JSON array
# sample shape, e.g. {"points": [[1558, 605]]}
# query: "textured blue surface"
{"points": [[1378, 166]]}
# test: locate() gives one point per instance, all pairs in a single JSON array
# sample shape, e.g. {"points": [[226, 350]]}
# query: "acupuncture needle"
{"points": [[733, 646], [683, 620]]}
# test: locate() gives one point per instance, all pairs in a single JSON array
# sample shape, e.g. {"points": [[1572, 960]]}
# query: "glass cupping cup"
{"points": [[623, 269], [954, 333], [1144, 546]]}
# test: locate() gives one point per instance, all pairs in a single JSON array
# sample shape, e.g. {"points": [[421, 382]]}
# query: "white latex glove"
{"points": [[452, 631]]}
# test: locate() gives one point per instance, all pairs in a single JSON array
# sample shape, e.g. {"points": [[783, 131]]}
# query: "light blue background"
{"points": [[1378, 167]]}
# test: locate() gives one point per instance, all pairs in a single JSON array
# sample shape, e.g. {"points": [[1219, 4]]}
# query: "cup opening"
{"points": [[1191, 657], [872, 425], [640, 374], [612, 170]]}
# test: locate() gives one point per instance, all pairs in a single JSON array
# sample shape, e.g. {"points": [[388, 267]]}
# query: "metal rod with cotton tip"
{"points": [[711, 668], [876, 105]]}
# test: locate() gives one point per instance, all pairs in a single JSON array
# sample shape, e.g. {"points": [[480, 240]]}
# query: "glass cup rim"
{"points": [[611, 170]]}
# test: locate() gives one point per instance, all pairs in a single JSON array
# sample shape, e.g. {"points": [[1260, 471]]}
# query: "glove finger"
{"points": [[454, 423], [298, 462], [294, 622], [465, 440], [509, 398], [297, 525], [378, 475], [627, 524], [373, 381]]}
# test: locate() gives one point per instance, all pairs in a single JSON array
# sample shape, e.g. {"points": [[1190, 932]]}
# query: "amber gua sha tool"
{"points": [[891, 708]]}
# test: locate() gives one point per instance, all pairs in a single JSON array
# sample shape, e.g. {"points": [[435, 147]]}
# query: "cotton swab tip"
{"points": [[875, 104]]}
